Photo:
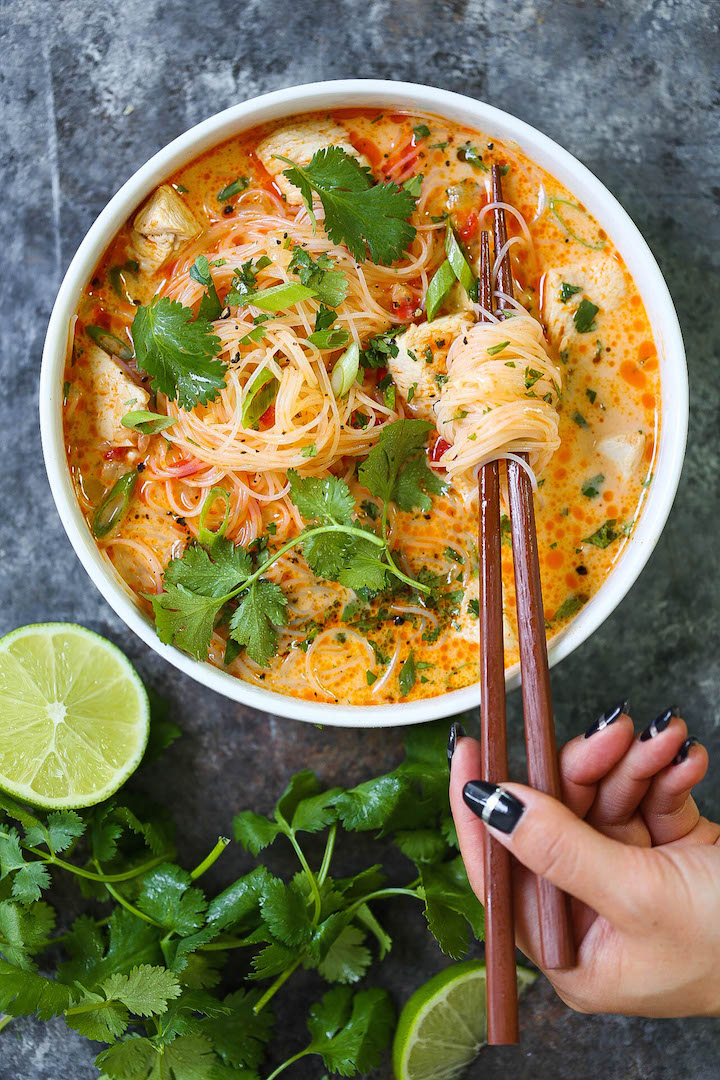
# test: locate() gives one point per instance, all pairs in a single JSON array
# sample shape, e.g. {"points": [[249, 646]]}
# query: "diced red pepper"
{"points": [[406, 308], [469, 227], [114, 453], [441, 445], [268, 417]]}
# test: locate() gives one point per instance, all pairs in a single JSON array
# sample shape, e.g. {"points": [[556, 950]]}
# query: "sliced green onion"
{"points": [[563, 223], [260, 393], [441, 284], [345, 371], [116, 279], [109, 342], [457, 260], [114, 506], [495, 349], [414, 184], [310, 451], [233, 189], [275, 298], [66, 391], [330, 339], [147, 423], [207, 537]]}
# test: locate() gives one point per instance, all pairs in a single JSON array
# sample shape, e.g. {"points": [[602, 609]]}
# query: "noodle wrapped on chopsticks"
{"points": [[500, 397]]}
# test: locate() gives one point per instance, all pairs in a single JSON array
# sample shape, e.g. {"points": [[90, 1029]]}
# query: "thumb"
{"points": [[548, 839]]}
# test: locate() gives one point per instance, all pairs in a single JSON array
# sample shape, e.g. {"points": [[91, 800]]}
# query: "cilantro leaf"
{"points": [[284, 911], [327, 554], [137, 1058], [144, 991], [130, 941], [241, 899], [215, 573], [329, 284], [567, 290], [350, 1032], [210, 306], [423, 846], [315, 812], [584, 317], [364, 568], [178, 352], [356, 212], [450, 905], [414, 481], [254, 831], [260, 611], [62, 828], [378, 348], [239, 1037], [326, 500], [370, 805], [185, 618], [605, 535], [348, 958], [29, 881], [23, 993], [167, 897], [382, 471]]}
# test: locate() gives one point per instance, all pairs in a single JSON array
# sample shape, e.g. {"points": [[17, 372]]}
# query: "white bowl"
{"points": [[379, 94]]}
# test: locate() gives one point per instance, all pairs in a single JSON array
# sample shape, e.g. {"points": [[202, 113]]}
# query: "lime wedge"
{"points": [[74, 716], [444, 1024]]}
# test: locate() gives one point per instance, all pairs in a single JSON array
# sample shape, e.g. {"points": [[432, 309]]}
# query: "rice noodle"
{"points": [[501, 403]]}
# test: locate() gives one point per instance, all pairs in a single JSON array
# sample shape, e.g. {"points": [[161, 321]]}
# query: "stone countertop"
{"points": [[89, 92]]}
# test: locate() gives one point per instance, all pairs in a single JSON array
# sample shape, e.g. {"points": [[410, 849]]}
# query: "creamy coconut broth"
{"points": [[306, 390]]}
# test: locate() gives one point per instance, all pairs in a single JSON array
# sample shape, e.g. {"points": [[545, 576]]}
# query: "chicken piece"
{"points": [[601, 280], [108, 392], [300, 142], [161, 227], [421, 358], [623, 451]]}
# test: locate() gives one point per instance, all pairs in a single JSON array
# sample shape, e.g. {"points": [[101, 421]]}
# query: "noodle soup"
{"points": [[208, 425]]}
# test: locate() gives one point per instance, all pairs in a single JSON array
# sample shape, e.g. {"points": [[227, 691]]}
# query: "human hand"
{"points": [[632, 849]]}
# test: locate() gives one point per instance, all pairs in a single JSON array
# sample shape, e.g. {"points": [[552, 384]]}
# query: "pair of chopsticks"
{"points": [[557, 945]]}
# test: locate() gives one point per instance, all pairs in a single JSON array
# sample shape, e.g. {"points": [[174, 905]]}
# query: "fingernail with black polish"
{"points": [[607, 718], [659, 723], [685, 750], [493, 804], [456, 732]]}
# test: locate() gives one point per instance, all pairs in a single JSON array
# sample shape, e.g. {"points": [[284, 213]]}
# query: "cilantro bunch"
{"points": [[216, 580], [141, 970]]}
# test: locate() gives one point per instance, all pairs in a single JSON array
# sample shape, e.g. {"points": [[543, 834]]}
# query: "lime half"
{"points": [[74, 716], [444, 1024]]}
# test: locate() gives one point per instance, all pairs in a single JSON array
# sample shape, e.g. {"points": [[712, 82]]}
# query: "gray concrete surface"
{"points": [[632, 88]]}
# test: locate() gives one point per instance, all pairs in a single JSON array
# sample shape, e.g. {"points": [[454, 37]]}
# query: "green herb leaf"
{"points": [[396, 468], [605, 535], [328, 284], [379, 348], [566, 291], [357, 213], [350, 1032], [421, 131], [591, 487], [569, 607], [408, 676], [260, 611], [178, 352], [584, 317], [326, 500]]}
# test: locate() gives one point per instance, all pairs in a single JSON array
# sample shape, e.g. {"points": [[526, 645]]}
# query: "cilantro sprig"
{"points": [[215, 579], [178, 352], [363, 215]]}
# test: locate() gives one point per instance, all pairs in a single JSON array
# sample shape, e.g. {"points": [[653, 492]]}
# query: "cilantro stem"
{"points": [[310, 876], [286, 1064], [275, 986], [5, 1020], [391, 562], [126, 903], [127, 875], [207, 862], [380, 894], [329, 847]]}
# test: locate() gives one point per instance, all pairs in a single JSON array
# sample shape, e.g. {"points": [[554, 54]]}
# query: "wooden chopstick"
{"points": [[556, 937], [502, 1002]]}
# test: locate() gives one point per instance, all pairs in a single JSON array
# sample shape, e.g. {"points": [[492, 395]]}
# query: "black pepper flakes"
{"points": [[581, 570], [228, 210]]}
